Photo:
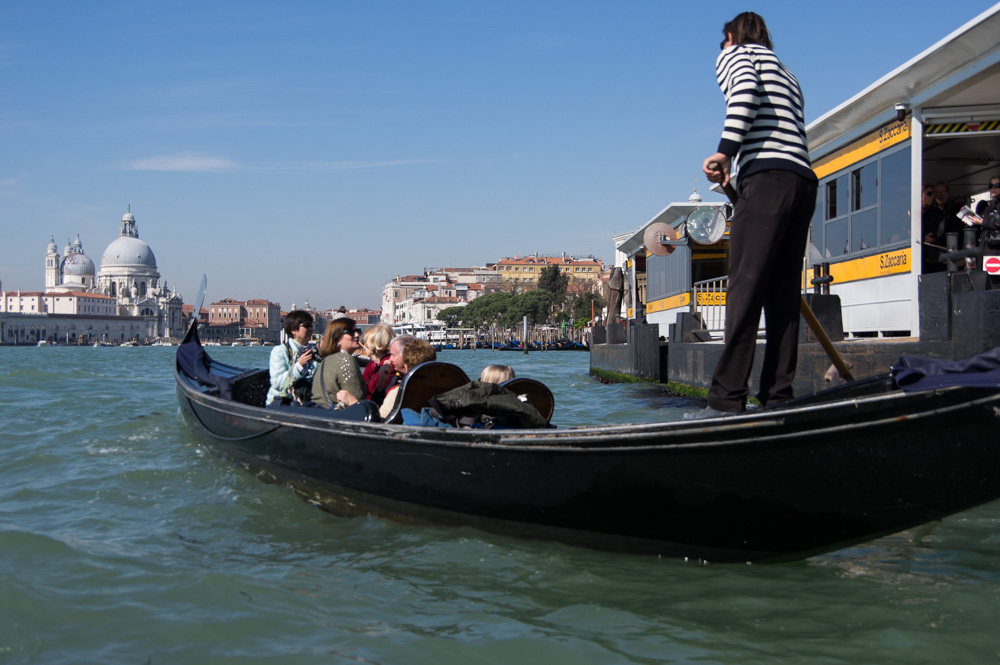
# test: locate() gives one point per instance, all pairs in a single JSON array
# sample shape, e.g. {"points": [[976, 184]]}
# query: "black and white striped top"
{"points": [[765, 118]]}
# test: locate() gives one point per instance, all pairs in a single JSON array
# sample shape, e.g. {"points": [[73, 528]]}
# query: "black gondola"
{"points": [[820, 473]]}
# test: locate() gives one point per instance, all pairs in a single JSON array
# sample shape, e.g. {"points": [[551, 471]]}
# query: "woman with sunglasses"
{"points": [[338, 370], [293, 364]]}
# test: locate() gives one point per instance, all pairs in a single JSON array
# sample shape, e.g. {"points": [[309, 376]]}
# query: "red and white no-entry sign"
{"points": [[991, 264]]}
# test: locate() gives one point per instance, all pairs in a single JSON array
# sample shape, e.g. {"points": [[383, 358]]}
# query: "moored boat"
{"points": [[820, 473]]}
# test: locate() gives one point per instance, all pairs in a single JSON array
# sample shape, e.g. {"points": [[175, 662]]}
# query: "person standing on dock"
{"points": [[765, 132]]}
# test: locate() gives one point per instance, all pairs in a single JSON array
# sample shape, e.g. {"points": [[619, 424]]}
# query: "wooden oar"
{"points": [[807, 313]]}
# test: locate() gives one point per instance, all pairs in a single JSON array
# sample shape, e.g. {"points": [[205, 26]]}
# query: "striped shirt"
{"points": [[765, 119]]}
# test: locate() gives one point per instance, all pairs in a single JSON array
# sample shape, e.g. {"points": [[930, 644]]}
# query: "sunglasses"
{"points": [[995, 185], [352, 333]]}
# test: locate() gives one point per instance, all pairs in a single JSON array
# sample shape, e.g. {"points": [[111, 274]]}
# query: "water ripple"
{"points": [[121, 541]]}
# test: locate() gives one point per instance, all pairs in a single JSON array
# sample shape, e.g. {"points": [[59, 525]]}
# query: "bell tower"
{"points": [[52, 276]]}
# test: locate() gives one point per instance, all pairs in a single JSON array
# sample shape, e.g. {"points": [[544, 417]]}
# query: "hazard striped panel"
{"points": [[958, 128]]}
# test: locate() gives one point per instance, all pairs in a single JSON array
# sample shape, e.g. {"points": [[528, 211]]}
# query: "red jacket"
{"points": [[377, 378]]}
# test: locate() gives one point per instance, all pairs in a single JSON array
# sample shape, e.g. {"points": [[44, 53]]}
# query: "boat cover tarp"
{"points": [[914, 373], [194, 362]]}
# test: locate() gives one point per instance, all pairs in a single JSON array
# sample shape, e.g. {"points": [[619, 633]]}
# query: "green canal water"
{"points": [[123, 541]]}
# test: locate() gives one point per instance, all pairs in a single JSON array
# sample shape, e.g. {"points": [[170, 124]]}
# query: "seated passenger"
{"points": [[496, 374], [293, 363], [406, 354], [338, 371], [379, 372]]}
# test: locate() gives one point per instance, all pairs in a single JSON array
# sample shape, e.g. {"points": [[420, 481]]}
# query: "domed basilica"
{"points": [[128, 274]]}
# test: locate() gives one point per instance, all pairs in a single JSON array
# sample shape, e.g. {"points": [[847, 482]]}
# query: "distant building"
{"points": [[234, 320], [128, 275], [416, 299], [68, 317], [525, 270], [124, 300], [363, 317]]}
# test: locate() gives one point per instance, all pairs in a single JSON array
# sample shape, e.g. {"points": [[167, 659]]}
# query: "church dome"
{"points": [[78, 265], [52, 246], [128, 251]]}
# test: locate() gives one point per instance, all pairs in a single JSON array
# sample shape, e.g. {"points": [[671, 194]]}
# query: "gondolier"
{"points": [[765, 133]]}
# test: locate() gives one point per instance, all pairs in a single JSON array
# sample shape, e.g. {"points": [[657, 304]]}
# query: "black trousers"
{"points": [[767, 241]]}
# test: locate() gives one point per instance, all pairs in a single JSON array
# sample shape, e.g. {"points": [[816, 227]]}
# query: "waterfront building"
{"points": [[128, 274], [236, 321], [402, 298], [29, 302], [525, 270], [68, 317], [415, 300], [72, 328], [74, 302], [127, 289], [363, 317]]}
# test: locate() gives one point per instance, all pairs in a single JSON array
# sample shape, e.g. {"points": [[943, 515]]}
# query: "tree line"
{"points": [[549, 303]]}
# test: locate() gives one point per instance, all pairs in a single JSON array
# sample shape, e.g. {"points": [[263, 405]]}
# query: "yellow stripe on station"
{"points": [[880, 265], [680, 300], [863, 148], [869, 267], [712, 298]]}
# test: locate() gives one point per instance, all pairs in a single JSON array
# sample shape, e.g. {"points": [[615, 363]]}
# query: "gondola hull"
{"points": [[826, 472]]}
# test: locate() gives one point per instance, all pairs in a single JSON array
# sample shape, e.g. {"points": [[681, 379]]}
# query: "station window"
{"points": [[863, 209]]}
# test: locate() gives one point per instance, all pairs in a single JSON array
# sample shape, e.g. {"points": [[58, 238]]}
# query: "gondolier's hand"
{"points": [[720, 175]]}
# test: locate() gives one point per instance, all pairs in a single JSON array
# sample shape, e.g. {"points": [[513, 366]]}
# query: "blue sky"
{"points": [[316, 149]]}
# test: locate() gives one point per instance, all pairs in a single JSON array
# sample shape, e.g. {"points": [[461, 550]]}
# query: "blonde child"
{"points": [[496, 374]]}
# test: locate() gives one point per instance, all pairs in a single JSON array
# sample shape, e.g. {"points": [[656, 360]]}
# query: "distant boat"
{"points": [[42, 342]]}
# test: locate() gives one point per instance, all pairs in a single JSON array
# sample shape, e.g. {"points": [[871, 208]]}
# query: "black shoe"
{"points": [[708, 412]]}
